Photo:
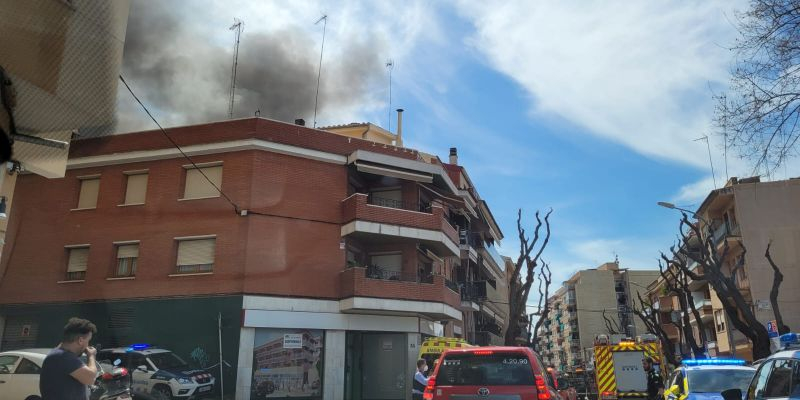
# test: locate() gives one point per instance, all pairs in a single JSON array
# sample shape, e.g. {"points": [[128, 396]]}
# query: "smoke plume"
{"points": [[182, 72]]}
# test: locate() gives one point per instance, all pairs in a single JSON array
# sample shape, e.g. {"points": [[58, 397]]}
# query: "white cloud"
{"points": [[636, 73], [694, 193]]}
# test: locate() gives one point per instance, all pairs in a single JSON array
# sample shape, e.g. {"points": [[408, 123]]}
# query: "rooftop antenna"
{"points": [[324, 20], [713, 175], [237, 26], [390, 67]]}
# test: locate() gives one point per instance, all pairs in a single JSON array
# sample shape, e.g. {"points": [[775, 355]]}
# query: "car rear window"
{"points": [[498, 369]]}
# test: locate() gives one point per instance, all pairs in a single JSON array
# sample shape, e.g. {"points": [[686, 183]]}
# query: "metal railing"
{"points": [[399, 204], [451, 285], [377, 272], [473, 291]]}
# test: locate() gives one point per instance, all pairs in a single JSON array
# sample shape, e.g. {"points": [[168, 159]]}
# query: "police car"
{"points": [[778, 376], [158, 373], [706, 379]]}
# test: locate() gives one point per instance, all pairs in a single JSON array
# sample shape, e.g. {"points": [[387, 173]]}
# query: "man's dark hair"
{"points": [[421, 362], [648, 360], [76, 328]]}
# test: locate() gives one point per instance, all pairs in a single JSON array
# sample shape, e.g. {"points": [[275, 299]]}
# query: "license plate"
{"points": [[204, 389]]}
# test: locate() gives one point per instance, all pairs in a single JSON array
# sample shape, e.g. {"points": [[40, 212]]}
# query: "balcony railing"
{"points": [[451, 285], [403, 205], [378, 272], [700, 303], [473, 291], [723, 231]]}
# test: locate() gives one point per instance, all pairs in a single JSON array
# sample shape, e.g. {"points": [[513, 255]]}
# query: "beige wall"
{"points": [[771, 211], [594, 292], [638, 280]]}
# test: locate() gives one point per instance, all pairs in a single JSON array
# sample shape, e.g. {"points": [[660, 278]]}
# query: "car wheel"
{"points": [[161, 392]]}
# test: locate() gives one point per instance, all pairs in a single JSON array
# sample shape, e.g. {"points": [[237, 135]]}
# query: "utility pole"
{"points": [[324, 20]]}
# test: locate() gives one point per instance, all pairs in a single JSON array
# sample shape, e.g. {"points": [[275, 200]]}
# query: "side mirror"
{"points": [[732, 394], [143, 368]]}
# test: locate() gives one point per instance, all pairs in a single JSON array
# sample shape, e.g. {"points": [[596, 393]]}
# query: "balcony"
{"points": [[665, 304], [724, 232], [474, 291], [368, 217], [485, 338], [492, 260], [364, 290], [671, 331]]}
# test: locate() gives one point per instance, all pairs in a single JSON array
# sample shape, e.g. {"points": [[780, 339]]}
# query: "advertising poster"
{"points": [[287, 363]]}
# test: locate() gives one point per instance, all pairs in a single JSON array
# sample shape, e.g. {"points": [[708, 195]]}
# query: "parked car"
{"points": [[19, 373], [159, 373], [491, 371], [563, 385], [707, 378], [20, 370], [777, 377]]}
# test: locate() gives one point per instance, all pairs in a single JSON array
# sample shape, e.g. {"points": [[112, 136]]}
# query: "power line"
{"points": [[235, 207]]}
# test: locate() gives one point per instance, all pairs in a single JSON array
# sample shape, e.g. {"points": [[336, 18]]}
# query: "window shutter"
{"points": [[88, 195], [137, 189], [128, 251], [78, 259], [389, 262], [196, 252], [197, 186]]}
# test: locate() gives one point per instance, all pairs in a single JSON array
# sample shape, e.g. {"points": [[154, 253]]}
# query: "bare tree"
{"points": [[612, 326], [677, 283], [520, 288], [712, 263], [773, 293], [759, 114], [543, 306], [649, 316]]}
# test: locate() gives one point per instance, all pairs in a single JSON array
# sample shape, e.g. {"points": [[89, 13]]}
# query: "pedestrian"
{"points": [[420, 381], [655, 385], [63, 375]]}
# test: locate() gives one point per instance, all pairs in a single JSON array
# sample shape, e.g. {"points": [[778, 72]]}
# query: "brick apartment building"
{"points": [[365, 245]]}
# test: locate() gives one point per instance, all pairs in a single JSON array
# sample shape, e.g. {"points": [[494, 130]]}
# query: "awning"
{"points": [[386, 170]]}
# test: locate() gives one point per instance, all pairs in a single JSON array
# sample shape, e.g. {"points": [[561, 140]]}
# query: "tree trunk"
{"points": [[777, 278]]}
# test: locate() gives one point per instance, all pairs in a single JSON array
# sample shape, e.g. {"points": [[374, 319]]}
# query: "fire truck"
{"points": [[618, 365]]}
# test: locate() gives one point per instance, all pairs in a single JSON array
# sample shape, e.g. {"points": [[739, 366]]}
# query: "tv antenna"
{"points": [[324, 20], [237, 26], [713, 175], [390, 67]]}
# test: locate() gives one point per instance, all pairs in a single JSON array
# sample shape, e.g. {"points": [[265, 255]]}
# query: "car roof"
{"points": [[507, 349], [148, 351], [785, 354], [29, 352]]}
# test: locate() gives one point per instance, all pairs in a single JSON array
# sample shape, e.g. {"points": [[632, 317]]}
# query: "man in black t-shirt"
{"points": [[64, 376], [655, 385]]}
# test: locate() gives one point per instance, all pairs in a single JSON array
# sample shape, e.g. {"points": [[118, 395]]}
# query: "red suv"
{"points": [[490, 372]]}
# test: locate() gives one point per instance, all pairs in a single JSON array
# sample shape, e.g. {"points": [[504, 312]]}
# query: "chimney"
{"points": [[300, 122], [399, 141], [453, 156]]}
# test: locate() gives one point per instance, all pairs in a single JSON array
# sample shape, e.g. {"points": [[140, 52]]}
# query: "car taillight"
{"points": [[483, 352], [541, 388], [428, 395]]}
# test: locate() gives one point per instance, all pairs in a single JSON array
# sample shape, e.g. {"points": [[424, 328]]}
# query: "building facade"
{"points": [[269, 233], [580, 307]]}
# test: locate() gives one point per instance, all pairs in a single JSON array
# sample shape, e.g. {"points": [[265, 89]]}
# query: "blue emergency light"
{"points": [[138, 346], [789, 339], [713, 361]]}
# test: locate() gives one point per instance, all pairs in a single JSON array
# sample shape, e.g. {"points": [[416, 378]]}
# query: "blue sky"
{"points": [[587, 107]]}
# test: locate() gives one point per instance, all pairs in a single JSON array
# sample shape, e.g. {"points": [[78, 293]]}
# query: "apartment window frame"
{"points": [[125, 194], [197, 268], [187, 171], [73, 273], [79, 204], [131, 263]]}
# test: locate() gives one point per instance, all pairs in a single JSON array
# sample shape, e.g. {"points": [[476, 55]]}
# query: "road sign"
{"points": [[772, 328]]}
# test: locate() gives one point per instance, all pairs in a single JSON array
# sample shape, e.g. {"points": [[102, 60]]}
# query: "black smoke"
{"points": [[182, 71]]}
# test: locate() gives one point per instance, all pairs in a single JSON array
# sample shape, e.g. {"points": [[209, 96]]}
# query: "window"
{"points": [[759, 382], [196, 255], [27, 367], [198, 187], [127, 254], [88, 194], [719, 320], [136, 188], [779, 380], [387, 198], [494, 369], [138, 360], [77, 264], [7, 364]]}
